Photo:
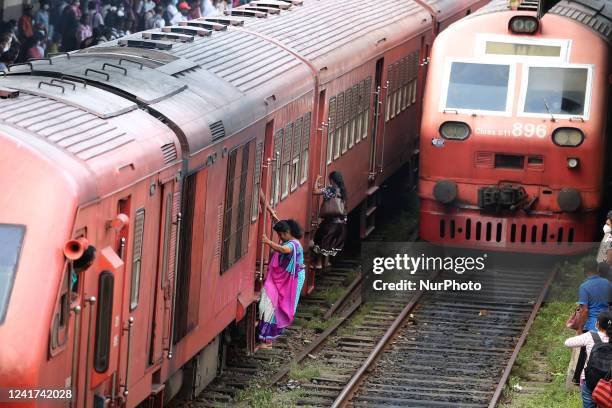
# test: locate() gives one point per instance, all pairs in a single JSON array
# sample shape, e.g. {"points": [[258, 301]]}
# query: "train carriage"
{"points": [[152, 149], [514, 129]]}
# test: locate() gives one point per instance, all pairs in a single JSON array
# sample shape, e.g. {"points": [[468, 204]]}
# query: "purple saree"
{"points": [[281, 292]]}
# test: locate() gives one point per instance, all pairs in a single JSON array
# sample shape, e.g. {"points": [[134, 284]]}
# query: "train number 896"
{"points": [[529, 130]]}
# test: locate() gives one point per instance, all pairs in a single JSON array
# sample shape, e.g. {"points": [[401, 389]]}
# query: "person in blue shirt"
{"points": [[593, 297], [593, 294]]}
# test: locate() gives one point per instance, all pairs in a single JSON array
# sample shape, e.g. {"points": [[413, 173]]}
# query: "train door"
{"points": [[269, 184], [104, 326], [376, 123], [140, 255], [165, 287]]}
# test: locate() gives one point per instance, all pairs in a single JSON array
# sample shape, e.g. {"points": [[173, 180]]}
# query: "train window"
{"points": [[405, 75], [11, 240], [256, 181], [557, 90], [339, 123], [286, 168], [353, 125], [358, 96], [295, 170], [136, 257], [104, 317], [477, 86], [59, 322], [241, 235], [305, 145], [235, 220], [331, 129], [398, 84], [348, 103], [388, 93], [509, 161], [278, 144], [368, 101]]}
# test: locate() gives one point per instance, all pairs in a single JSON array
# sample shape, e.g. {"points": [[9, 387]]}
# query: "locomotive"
{"points": [[130, 226], [513, 135]]}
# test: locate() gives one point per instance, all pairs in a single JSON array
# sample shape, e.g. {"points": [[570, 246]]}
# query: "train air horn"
{"points": [[75, 248]]}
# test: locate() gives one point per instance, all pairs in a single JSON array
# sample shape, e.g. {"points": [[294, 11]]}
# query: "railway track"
{"points": [[325, 304], [449, 349], [419, 349]]}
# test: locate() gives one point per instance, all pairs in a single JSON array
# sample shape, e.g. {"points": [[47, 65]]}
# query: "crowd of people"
{"points": [[67, 25], [593, 320]]}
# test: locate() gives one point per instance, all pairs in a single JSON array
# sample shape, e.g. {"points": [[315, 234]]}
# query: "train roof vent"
{"points": [[225, 21], [241, 12], [169, 152], [294, 2], [529, 5], [276, 4], [262, 9], [183, 38], [208, 25], [194, 31], [6, 93], [218, 130], [148, 44]]}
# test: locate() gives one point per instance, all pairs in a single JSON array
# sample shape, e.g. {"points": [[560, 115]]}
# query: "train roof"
{"points": [[595, 14], [87, 131]]}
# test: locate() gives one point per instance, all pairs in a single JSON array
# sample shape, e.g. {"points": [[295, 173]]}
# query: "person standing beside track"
{"points": [[593, 296], [603, 329], [606, 241]]}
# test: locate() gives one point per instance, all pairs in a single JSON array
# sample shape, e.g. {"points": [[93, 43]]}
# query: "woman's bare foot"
{"points": [[266, 346]]}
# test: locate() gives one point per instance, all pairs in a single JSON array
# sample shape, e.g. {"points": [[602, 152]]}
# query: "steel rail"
{"points": [[534, 312], [353, 288], [347, 392], [360, 375]]}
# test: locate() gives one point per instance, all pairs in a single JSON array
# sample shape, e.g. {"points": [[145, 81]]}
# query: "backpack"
{"points": [[599, 363]]}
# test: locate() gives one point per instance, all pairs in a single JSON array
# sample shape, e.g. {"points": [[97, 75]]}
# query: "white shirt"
{"points": [[177, 18], [585, 340], [172, 10], [208, 9]]}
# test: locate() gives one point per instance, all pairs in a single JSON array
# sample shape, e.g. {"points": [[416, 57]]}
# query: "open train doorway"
{"points": [[376, 122]]}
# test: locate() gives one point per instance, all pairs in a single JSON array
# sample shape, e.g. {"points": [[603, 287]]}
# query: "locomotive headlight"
{"points": [[568, 137], [523, 24], [455, 130], [572, 162]]}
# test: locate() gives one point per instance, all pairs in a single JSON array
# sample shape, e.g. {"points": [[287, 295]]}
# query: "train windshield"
{"points": [[11, 239], [474, 86], [554, 90]]}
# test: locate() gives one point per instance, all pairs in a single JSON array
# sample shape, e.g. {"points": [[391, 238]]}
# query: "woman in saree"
{"points": [[281, 290]]}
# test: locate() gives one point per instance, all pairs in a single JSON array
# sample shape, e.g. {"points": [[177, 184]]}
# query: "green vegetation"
{"points": [[544, 344], [351, 328], [257, 396], [305, 373], [332, 294]]}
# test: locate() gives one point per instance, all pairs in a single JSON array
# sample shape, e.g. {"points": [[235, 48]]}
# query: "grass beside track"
{"points": [[544, 349]]}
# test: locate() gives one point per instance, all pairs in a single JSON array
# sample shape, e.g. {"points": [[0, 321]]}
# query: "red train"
{"points": [[513, 137], [152, 149]]}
